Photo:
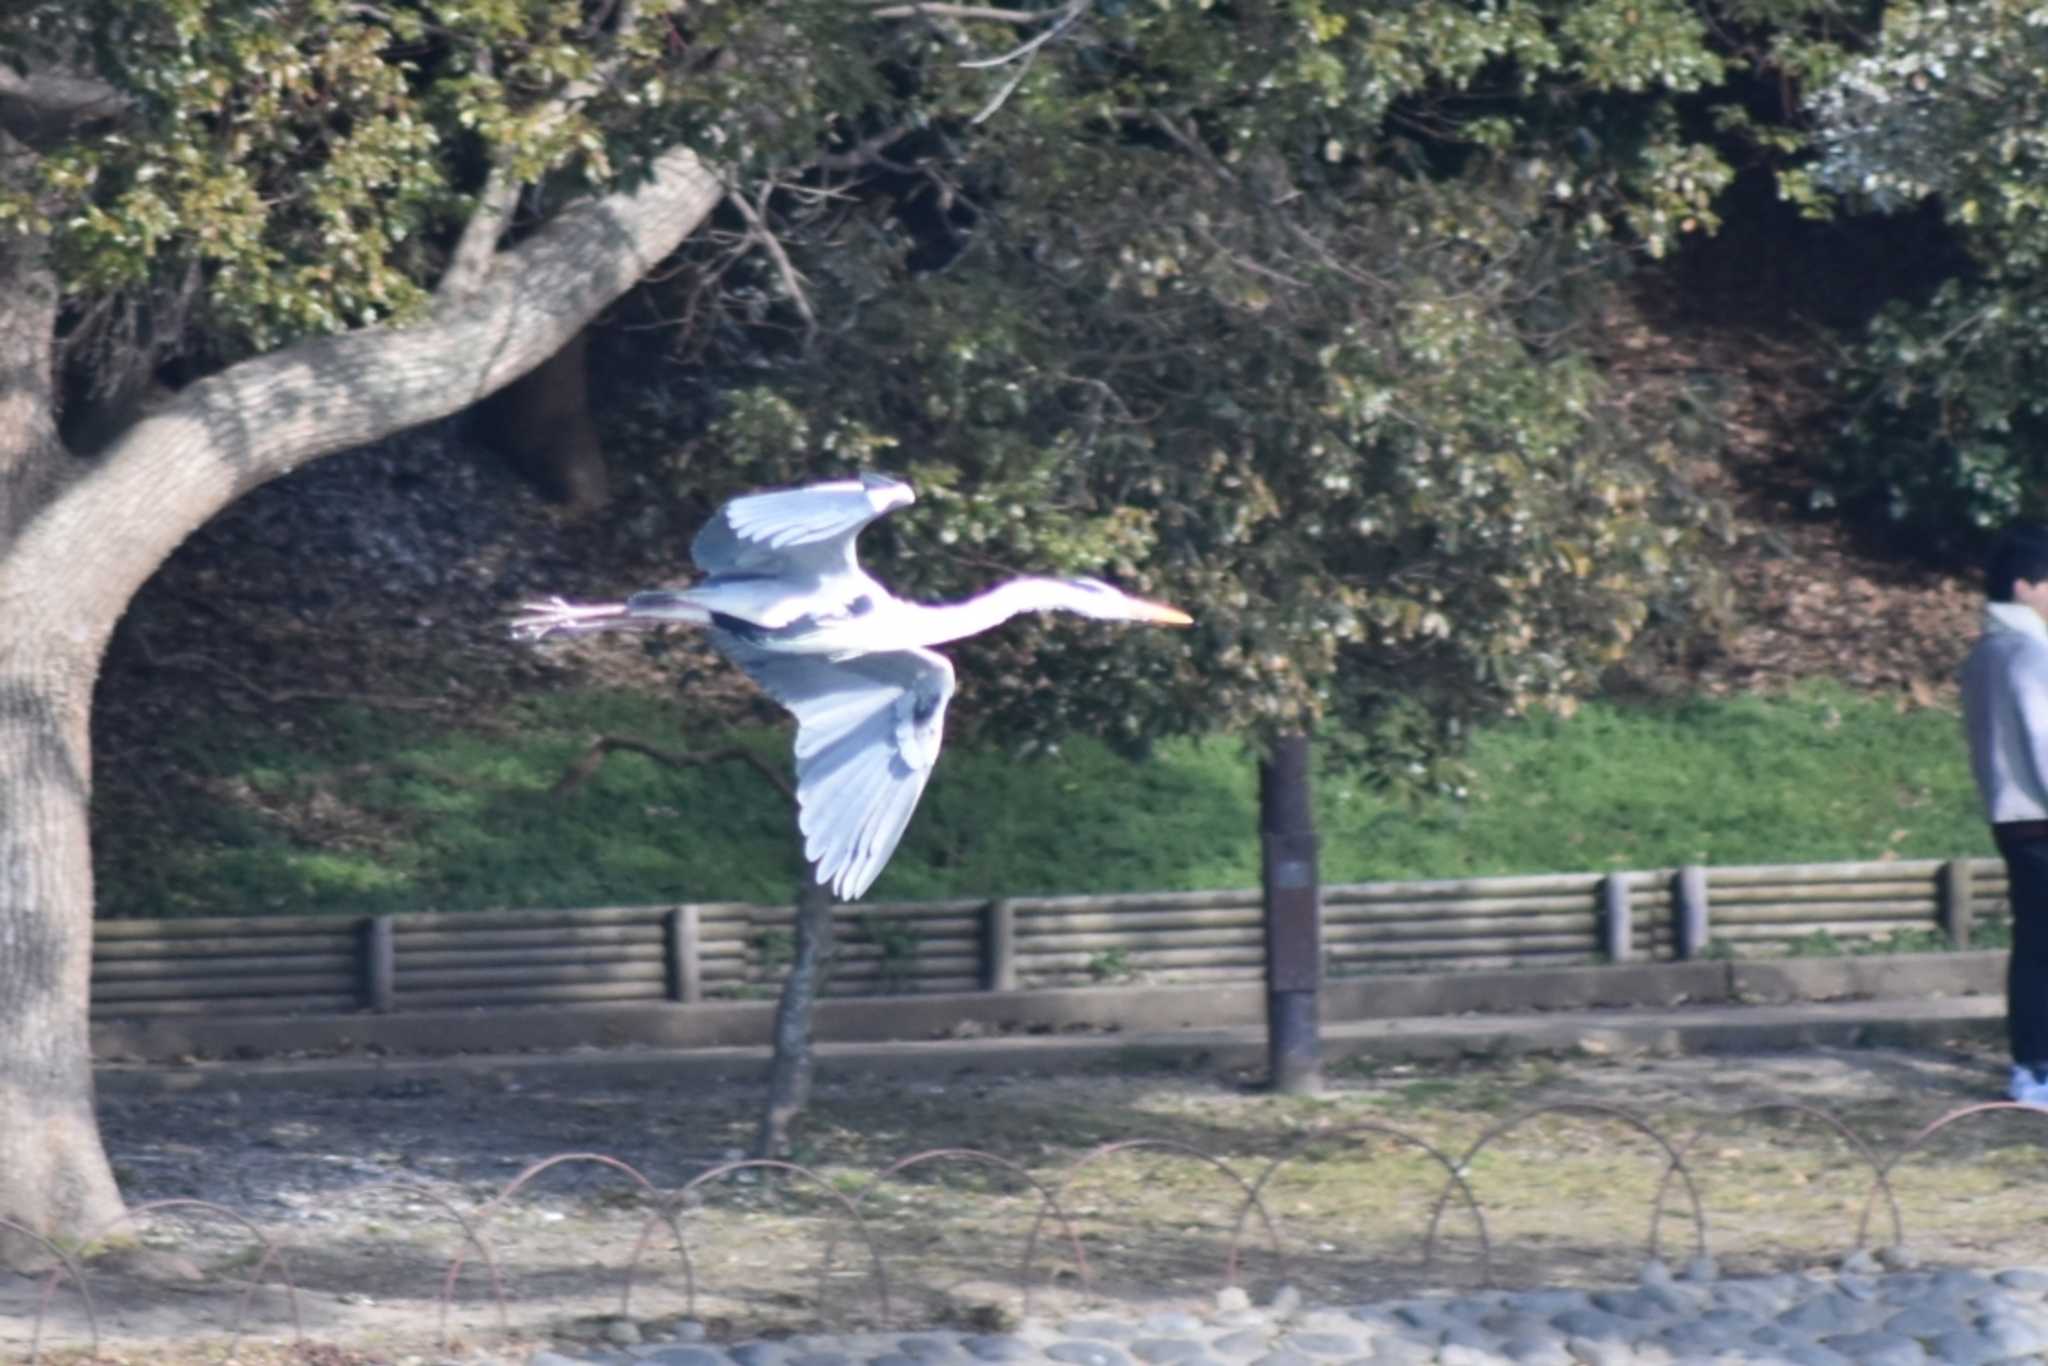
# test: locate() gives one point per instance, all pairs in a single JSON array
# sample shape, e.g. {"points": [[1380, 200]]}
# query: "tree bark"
{"points": [[54, 1178], [75, 547], [790, 1072], [541, 426], [31, 456]]}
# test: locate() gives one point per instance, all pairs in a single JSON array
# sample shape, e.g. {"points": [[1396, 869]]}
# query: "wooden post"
{"points": [[1294, 919], [999, 946], [1689, 912], [1953, 894], [1617, 919], [377, 963], [682, 932]]}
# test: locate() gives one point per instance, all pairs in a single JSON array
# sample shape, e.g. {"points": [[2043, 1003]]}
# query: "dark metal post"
{"points": [[998, 946], [377, 963], [1617, 918], [1294, 918]]}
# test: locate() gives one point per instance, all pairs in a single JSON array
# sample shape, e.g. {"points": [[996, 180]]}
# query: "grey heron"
{"points": [[784, 597]]}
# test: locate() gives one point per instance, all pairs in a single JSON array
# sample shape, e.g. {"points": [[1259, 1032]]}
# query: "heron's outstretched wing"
{"points": [[806, 532], [868, 731]]}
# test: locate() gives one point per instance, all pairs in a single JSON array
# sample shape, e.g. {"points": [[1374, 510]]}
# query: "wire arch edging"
{"points": [[1045, 1196], [852, 1208], [66, 1265], [272, 1255], [1593, 1110], [1173, 1145], [1826, 1117], [1925, 1132], [533, 1170], [469, 1235], [1456, 1180]]}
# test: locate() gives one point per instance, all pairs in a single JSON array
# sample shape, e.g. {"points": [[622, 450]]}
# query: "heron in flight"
{"points": [[784, 597]]}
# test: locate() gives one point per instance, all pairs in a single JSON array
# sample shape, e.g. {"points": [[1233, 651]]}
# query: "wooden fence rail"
{"points": [[692, 953]]}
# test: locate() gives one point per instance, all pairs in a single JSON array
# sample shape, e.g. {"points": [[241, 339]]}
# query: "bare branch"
{"points": [[867, 152], [1002, 96], [792, 280], [941, 11], [478, 246], [1074, 10], [1192, 145]]}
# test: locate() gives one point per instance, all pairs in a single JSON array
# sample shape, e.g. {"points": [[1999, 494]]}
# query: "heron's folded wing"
{"points": [[868, 731], [795, 531]]}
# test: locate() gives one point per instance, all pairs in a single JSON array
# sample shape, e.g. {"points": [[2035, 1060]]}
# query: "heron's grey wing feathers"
{"points": [[765, 599], [807, 531], [868, 733]]}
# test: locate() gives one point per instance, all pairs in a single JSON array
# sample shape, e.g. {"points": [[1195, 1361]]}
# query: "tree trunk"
{"points": [[78, 538], [789, 1076], [541, 426], [54, 1177]]}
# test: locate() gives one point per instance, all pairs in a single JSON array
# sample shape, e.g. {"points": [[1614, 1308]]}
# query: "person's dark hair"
{"points": [[2021, 552]]}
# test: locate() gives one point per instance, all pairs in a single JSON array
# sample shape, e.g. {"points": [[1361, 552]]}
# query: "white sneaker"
{"points": [[2029, 1085]]}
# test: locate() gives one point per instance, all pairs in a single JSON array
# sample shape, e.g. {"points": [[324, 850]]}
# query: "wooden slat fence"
{"points": [[726, 950]]}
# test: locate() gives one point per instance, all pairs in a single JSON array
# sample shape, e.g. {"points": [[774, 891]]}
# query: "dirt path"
{"points": [[360, 1196]]}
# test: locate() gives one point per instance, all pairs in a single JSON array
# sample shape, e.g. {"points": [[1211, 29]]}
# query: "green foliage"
{"points": [[1949, 423], [1822, 944], [1360, 434], [1295, 311], [354, 823], [896, 938], [252, 173], [1109, 965], [773, 951], [1819, 944]]}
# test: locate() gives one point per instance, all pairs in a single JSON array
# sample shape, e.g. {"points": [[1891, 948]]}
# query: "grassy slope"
{"points": [[396, 815]]}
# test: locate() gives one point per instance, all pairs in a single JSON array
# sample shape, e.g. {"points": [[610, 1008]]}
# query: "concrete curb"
{"points": [[1916, 1022], [1128, 1010]]}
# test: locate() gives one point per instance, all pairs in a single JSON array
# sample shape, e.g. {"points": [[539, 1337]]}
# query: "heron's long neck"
{"points": [[944, 621]]}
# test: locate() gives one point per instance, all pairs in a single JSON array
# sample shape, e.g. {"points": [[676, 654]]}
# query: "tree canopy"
{"points": [[1302, 313], [1946, 407], [1298, 310]]}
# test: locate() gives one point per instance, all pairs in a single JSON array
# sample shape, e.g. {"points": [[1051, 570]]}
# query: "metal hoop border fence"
{"points": [[671, 1207]]}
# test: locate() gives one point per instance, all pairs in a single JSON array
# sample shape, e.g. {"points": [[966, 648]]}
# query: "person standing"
{"points": [[2005, 714]]}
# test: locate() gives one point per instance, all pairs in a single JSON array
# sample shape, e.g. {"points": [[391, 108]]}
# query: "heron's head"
{"points": [[1094, 598]]}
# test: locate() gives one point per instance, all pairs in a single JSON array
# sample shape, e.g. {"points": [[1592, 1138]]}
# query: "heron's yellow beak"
{"points": [[1166, 616]]}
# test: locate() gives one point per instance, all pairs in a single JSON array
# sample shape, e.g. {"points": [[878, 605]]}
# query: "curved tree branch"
{"points": [[268, 415]]}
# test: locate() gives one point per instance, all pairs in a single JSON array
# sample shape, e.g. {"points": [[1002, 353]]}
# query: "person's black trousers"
{"points": [[2025, 847]]}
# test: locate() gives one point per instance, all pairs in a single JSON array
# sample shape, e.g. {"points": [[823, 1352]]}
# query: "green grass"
{"points": [[369, 813]]}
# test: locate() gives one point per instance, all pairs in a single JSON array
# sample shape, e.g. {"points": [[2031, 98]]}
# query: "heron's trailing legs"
{"points": [[556, 616], [641, 612]]}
